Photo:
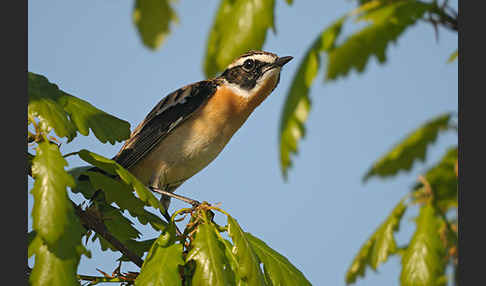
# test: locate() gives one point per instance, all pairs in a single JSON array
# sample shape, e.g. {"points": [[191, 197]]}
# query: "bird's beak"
{"points": [[282, 61]]}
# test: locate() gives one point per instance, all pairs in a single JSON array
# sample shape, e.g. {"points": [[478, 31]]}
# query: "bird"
{"points": [[189, 127]]}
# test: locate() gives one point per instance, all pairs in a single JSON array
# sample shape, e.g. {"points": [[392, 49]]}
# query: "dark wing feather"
{"points": [[170, 112]]}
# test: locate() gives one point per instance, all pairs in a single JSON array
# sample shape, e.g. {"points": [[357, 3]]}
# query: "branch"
{"points": [[444, 19], [92, 222]]}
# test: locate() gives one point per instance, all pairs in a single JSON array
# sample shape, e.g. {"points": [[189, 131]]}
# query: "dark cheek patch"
{"points": [[246, 80]]}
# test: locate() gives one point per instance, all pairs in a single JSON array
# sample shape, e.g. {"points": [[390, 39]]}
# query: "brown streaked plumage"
{"points": [[189, 127]]}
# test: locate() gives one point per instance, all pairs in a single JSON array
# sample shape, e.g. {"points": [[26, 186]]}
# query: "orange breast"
{"points": [[196, 142]]}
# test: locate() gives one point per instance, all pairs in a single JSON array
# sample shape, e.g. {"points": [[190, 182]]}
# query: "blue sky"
{"points": [[322, 215]]}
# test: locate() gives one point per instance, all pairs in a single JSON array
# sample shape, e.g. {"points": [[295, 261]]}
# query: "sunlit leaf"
{"points": [[423, 263], [212, 266], [297, 103], [34, 242], [53, 215], [67, 114], [388, 22], [453, 57], [85, 116], [153, 19], [233, 262], [277, 268], [443, 180], [53, 270], [412, 148], [44, 105], [378, 247], [248, 263], [58, 231], [239, 26], [161, 266]]}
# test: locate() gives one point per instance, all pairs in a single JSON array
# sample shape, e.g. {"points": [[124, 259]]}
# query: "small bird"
{"points": [[189, 127]]}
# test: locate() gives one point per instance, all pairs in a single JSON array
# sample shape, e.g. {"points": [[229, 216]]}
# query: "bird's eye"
{"points": [[248, 65]]}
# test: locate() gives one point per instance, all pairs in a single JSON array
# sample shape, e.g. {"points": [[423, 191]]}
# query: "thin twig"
{"points": [[190, 201]]}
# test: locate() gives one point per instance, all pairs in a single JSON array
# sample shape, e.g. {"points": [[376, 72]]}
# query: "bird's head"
{"points": [[254, 75]]}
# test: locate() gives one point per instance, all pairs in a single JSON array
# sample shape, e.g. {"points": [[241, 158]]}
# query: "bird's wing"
{"points": [[169, 113]]}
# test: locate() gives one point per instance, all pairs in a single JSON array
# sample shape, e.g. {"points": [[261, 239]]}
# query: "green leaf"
{"points": [[34, 242], [297, 103], [152, 19], [388, 22], [119, 192], [85, 116], [110, 166], [83, 186], [52, 212], [233, 261], [58, 231], [67, 114], [248, 263], [412, 148], [277, 269], [161, 267], [207, 250], [239, 26], [443, 180], [44, 105], [423, 263], [52, 270], [378, 247], [453, 57]]}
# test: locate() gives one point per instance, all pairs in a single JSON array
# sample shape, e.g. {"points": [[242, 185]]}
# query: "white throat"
{"points": [[260, 82]]}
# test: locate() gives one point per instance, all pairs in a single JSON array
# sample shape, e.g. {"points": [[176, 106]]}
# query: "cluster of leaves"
{"points": [[425, 257], [204, 257], [387, 21], [199, 256], [56, 236]]}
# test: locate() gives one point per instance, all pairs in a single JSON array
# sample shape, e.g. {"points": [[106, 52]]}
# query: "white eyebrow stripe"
{"points": [[260, 57]]}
